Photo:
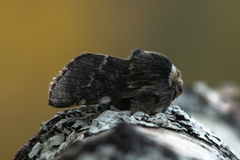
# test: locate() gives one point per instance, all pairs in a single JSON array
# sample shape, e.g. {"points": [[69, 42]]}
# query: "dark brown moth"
{"points": [[147, 82]]}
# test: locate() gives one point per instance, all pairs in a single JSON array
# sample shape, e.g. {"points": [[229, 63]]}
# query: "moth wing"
{"points": [[87, 78]]}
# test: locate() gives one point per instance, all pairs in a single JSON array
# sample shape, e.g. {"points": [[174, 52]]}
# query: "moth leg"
{"points": [[150, 103], [122, 104], [145, 102]]}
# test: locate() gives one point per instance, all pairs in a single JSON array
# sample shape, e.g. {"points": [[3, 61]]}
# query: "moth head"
{"points": [[175, 82]]}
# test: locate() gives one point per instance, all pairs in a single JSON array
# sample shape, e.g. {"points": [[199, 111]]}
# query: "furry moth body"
{"points": [[147, 82]]}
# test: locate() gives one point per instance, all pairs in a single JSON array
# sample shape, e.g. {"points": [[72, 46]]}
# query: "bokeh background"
{"points": [[37, 38]]}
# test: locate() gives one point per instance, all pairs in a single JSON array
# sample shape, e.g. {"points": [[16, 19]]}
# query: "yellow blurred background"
{"points": [[37, 38]]}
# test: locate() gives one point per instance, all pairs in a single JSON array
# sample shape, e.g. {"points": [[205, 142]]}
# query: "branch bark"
{"points": [[89, 133]]}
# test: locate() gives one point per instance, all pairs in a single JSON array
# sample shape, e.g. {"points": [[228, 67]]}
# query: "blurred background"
{"points": [[37, 38]]}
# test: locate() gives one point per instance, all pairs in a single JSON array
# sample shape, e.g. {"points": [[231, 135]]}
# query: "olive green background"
{"points": [[37, 38]]}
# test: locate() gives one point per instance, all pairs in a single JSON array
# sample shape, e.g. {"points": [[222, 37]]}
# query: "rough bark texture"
{"points": [[93, 133]]}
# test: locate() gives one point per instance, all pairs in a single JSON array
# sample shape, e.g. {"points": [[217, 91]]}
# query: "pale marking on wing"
{"points": [[105, 100], [99, 68]]}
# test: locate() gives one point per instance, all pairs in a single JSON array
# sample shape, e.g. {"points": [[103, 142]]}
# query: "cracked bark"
{"points": [[93, 133]]}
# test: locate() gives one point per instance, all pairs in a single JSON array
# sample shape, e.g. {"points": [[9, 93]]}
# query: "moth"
{"points": [[147, 81]]}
